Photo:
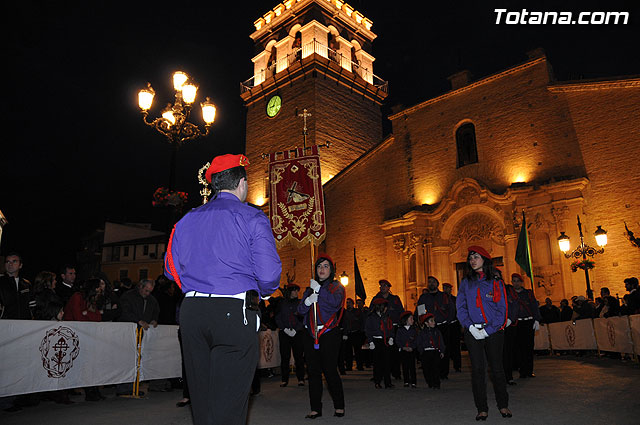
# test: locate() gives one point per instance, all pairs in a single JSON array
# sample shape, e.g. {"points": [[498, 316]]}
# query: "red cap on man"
{"points": [[224, 162], [517, 275], [426, 317], [479, 250], [448, 285], [326, 257], [384, 282]]}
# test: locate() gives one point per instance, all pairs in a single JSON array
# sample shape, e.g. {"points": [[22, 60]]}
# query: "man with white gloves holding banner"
{"points": [[223, 256]]}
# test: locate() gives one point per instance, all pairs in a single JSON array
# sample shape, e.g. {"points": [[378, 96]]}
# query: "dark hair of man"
{"points": [[63, 269], [432, 277], [633, 281], [14, 254], [490, 272], [227, 179], [333, 270], [605, 290]]}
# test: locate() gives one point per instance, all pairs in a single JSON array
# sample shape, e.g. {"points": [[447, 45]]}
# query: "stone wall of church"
{"points": [[606, 125], [523, 134]]}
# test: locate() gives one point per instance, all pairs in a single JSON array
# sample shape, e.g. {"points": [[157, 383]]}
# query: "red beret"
{"points": [[426, 317], [224, 162], [326, 257], [518, 275], [405, 314], [384, 282], [292, 287], [480, 250], [380, 300], [447, 284]]}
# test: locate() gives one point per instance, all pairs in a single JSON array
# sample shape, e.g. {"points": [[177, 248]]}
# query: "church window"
{"points": [[466, 144]]}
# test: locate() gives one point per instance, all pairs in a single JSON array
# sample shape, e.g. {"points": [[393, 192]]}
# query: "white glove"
{"points": [[291, 332], [508, 322], [344, 337], [372, 345], [476, 332], [536, 325], [311, 299], [390, 341], [315, 286], [484, 333]]}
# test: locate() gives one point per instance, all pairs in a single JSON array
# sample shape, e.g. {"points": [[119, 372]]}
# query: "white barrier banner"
{"points": [[570, 336], [613, 334], [161, 356], [269, 349], [47, 355], [541, 339], [634, 321]]}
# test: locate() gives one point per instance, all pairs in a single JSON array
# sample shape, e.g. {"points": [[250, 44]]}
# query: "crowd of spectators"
{"points": [[62, 296]]}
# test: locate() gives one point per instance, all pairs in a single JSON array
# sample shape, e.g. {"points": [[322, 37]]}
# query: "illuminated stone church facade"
{"points": [[457, 169]]}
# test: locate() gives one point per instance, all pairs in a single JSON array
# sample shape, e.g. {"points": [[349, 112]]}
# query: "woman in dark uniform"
{"points": [[482, 311], [321, 350]]}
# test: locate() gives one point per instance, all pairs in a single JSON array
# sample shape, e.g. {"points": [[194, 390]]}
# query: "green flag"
{"points": [[523, 252]]}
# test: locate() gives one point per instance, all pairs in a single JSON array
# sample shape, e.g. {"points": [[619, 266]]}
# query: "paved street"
{"points": [[567, 390]]}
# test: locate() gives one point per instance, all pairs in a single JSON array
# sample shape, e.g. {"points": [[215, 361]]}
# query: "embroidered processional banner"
{"points": [[296, 201]]}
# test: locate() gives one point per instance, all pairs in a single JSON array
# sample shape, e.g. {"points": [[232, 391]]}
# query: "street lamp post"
{"points": [[583, 250], [174, 123], [344, 278]]}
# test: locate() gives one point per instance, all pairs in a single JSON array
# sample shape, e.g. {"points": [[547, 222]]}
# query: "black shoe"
{"points": [[389, 386], [378, 386], [183, 403], [506, 413], [339, 414], [301, 383], [414, 386], [406, 384], [512, 382], [481, 417], [284, 384], [313, 415], [531, 375]]}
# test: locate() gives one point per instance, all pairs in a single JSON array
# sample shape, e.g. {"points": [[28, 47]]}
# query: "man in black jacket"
{"points": [[15, 292]]}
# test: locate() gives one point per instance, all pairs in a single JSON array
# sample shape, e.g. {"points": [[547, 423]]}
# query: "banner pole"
{"points": [[136, 384], [316, 343]]}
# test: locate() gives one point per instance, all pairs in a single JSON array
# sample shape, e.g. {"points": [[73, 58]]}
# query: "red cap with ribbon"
{"points": [[224, 162], [384, 282]]}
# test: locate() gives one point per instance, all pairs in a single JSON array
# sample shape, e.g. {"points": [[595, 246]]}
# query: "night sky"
{"points": [[75, 151]]}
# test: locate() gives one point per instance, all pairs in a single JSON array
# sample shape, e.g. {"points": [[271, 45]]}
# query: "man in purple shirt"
{"points": [[223, 256]]}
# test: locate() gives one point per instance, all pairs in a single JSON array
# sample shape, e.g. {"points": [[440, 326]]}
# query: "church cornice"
{"points": [[593, 85], [486, 80]]}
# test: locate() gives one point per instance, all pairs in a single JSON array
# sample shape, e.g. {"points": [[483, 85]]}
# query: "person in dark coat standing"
{"points": [[549, 312], [509, 352], [394, 310], [566, 312], [406, 342], [482, 311], [440, 305], [290, 334], [453, 343], [379, 330], [528, 323], [15, 292], [431, 347], [352, 335], [323, 337]]}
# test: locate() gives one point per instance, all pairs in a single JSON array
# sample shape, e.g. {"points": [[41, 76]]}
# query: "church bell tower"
{"points": [[313, 55]]}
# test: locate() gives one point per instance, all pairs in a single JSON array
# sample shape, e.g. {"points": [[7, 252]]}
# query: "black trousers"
{"points": [[483, 352], [295, 344], [324, 361], [524, 346], [431, 363], [508, 351], [353, 345], [220, 357], [408, 360], [381, 362], [453, 344], [444, 364], [185, 385]]}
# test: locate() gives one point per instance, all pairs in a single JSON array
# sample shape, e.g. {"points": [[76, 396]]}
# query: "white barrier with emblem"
{"points": [[576, 335], [613, 334]]}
